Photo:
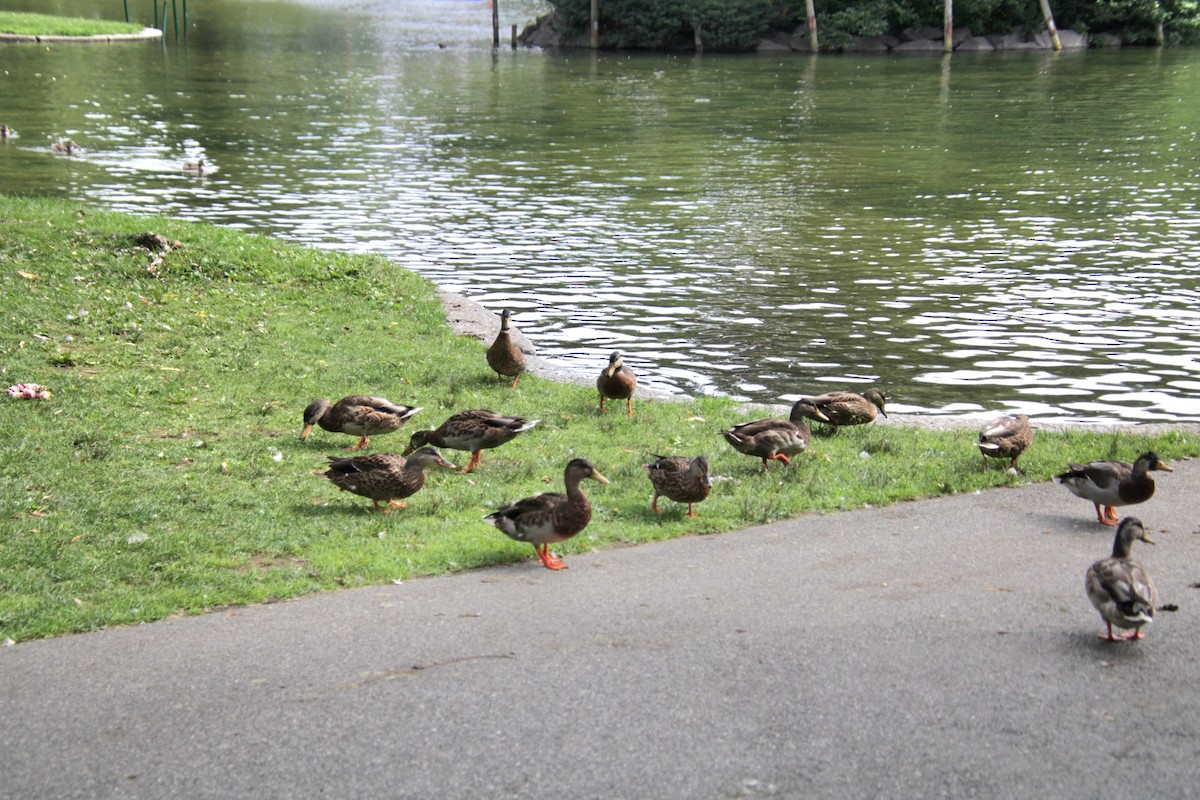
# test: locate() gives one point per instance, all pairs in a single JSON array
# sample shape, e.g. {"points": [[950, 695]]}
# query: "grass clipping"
{"points": [[163, 472]]}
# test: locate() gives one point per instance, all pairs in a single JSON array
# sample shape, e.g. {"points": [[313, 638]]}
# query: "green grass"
{"points": [[45, 25], [166, 474]]}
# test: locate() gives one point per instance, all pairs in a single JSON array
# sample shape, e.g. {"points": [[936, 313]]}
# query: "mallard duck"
{"points": [[196, 167], [1005, 437], [616, 382], [550, 517], [6, 132], [682, 479], [473, 431], [357, 415], [1113, 483], [1120, 588], [770, 439], [384, 476], [69, 147], [505, 356], [844, 408]]}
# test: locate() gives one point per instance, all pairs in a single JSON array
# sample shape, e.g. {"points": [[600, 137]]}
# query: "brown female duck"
{"points": [[845, 408], [474, 431], [550, 517], [357, 415], [1113, 483], [384, 476], [773, 439], [1120, 588], [679, 478], [1005, 437], [505, 356], [69, 147], [616, 382]]}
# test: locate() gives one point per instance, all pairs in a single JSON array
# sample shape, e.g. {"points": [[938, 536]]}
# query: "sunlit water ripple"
{"points": [[975, 235]]}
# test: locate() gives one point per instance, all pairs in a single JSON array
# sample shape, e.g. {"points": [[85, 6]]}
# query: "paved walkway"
{"points": [[935, 648]]}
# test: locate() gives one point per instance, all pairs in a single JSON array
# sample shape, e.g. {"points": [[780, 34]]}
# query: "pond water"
{"points": [[1005, 232]]}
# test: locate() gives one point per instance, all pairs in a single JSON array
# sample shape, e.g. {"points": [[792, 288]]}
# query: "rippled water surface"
{"points": [[1003, 232]]}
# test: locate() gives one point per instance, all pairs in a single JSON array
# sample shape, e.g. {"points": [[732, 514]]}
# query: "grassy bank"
{"points": [[46, 25], [165, 475]]}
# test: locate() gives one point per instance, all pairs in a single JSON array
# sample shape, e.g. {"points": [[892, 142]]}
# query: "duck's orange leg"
{"points": [[1110, 516], [550, 561], [691, 513], [601, 404], [629, 405], [654, 505], [516, 379], [476, 459], [777, 457], [362, 444]]}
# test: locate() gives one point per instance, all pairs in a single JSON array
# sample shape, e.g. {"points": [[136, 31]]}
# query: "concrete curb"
{"points": [[144, 35]]}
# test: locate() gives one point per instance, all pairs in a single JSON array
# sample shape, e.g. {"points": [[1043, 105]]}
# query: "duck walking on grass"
{"points": [[1120, 588], [844, 408], [616, 382], [679, 478], [505, 356], [1005, 437], [551, 517], [384, 477], [1113, 483], [474, 431], [774, 439], [357, 415]]}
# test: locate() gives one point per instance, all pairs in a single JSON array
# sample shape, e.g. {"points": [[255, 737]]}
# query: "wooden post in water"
{"points": [[811, 10], [514, 36], [595, 35], [1048, 15], [127, 10], [495, 24], [948, 26]]}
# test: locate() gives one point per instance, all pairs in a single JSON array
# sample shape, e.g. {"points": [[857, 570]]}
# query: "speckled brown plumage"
{"points": [[474, 431], [505, 356], [1007, 436], [384, 477], [357, 415], [679, 478], [550, 517], [616, 382], [1120, 588]]}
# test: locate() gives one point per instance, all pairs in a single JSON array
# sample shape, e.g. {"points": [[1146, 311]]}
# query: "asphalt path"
{"points": [[935, 648]]}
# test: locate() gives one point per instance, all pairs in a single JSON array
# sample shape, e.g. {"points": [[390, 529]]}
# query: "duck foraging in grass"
{"points": [[384, 477], [474, 431], [550, 517], [1005, 437], [844, 408], [1120, 588], [616, 382], [1113, 483], [679, 478], [505, 356], [357, 415]]}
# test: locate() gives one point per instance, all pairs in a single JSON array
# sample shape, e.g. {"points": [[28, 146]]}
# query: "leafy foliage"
{"points": [[739, 24]]}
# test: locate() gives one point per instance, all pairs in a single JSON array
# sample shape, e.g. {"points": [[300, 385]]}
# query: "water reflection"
{"points": [[973, 233]]}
